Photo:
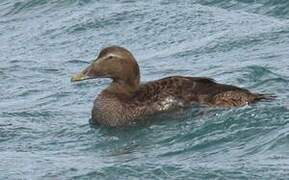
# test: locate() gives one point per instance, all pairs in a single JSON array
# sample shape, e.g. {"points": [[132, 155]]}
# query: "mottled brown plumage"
{"points": [[126, 101]]}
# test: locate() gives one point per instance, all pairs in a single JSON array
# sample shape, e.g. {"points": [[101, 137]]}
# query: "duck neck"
{"points": [[123, 88]]}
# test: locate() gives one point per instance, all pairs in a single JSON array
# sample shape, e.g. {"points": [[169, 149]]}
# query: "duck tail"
{"points": [[265, 97]]}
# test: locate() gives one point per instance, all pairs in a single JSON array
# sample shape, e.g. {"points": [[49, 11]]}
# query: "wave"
{"points": [[275, 8], [13, 8]]}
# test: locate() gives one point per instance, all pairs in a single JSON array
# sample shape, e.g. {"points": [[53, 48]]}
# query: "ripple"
{"points": [[24, 6], [76, 62], [268, 7], [45, 130]]}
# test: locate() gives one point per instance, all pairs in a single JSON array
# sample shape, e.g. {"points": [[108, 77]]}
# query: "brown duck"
{"points": [[125, 100]]}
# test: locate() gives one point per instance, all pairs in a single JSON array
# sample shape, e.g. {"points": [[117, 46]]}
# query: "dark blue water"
{"points": [[44, 118]]}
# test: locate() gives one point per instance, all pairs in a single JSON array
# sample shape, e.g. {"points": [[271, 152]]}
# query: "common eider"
{"points": [[125, 100]]}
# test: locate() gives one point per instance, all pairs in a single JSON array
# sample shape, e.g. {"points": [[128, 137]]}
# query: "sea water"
{"points": [[44, 118]]}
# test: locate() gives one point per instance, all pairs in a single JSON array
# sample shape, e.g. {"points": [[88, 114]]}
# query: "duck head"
{"points": [[116, 63]]}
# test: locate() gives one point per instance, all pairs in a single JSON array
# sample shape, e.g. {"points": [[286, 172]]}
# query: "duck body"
{"points": [[165, 95], [126, 100]]}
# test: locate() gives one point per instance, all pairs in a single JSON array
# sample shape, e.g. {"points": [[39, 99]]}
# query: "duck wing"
{"points": [[190, 90]]}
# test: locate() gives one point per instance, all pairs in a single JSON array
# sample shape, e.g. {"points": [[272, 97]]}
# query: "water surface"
{"points": [[44, 118]]}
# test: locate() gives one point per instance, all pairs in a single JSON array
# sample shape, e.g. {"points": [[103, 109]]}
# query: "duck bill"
{"points": [[94, 70], [79, 77], [83, 75]]}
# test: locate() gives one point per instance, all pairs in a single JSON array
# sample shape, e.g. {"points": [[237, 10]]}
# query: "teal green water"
{"points": [[44, 118]]}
